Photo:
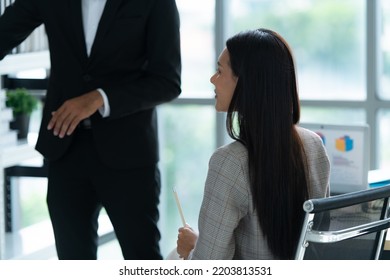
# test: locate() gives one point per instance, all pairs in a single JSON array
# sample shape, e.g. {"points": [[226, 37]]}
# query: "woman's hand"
{"points": [[186, 241]]}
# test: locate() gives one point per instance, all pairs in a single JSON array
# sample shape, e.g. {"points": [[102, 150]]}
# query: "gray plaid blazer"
{"points": [[228, 225]]}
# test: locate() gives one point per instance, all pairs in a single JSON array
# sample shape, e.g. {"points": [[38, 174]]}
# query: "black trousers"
{"points": [[79, 185]]}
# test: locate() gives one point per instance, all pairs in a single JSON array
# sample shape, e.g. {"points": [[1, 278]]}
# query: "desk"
{"points": [[11, 156]]}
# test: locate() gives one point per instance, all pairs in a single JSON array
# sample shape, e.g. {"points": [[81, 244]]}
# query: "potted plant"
{"points": [[22, 104]]}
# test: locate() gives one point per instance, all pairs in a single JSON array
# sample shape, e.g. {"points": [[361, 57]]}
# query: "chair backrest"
{"points": [[347, 226]]}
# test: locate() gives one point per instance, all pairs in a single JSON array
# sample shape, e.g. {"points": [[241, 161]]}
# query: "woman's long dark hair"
{"points": [[265, 106]]}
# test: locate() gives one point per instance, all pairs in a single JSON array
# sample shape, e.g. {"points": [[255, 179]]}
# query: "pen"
{"points": [[179, 207]]}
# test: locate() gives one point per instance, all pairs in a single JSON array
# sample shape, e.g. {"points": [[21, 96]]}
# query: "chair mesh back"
{"points": [[361, 247]]}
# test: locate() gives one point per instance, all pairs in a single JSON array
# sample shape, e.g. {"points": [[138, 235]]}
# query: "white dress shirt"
{"points": [[92, 12]]}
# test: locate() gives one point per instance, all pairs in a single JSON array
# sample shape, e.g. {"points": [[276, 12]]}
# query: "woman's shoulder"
{"points": [[234, 146], [306, 132], [234, 149], [308, 136], [232, 154], [314, 148]]}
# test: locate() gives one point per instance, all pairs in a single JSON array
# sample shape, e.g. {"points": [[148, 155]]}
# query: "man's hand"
{"points": [[65, 120]]}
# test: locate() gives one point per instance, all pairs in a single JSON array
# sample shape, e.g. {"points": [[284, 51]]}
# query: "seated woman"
{"points": [[256, 185]]}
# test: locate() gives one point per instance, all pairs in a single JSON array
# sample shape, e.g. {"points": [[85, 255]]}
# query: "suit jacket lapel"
{"points": [[107, 17], [77, 22]]}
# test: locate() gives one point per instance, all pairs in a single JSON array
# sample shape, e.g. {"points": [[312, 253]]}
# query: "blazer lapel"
{"points": [[107, 17], [77, 22]]}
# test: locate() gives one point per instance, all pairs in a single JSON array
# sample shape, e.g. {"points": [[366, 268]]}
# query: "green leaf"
{"points": [[21, 101]]}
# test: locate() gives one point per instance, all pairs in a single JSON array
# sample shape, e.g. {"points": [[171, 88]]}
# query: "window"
{"points": [[327, 38], [384, 60], [197, 46], [187, 142], [383, 140], [333, 115], [383, 115]]}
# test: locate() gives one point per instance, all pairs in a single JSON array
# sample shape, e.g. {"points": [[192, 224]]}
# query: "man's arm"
{"points": [[17, 22], [160, 81]]}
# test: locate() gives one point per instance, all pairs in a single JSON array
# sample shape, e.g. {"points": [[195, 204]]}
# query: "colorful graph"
{"points": [[344, 144]]}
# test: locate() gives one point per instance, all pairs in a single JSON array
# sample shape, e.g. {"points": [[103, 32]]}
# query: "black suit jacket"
{"points": [[135, 59]]}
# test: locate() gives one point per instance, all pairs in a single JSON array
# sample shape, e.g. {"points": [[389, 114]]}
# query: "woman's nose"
{"points": [[212, 79]]}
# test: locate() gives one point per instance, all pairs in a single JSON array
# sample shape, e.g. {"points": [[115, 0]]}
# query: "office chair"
{"points": [[348, 226]]}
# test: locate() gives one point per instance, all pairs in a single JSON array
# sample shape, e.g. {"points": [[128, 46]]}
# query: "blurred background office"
{"points": [[342, 51]]}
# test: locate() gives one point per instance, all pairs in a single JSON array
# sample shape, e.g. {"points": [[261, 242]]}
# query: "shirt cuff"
{"points": [[105, 109]]}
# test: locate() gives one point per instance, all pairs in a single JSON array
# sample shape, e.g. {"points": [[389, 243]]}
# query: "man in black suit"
{"points": [[112, 63]]}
